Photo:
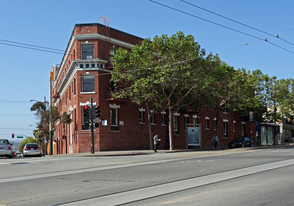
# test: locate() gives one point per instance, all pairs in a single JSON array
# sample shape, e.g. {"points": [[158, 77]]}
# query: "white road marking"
{"points": [[153, 191]]}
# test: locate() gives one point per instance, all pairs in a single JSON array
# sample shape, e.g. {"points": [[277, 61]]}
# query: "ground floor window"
{"points": [[207, 123], [141, 116], [225, 128], [113, 119], [163, 118], [234, 126], [243, 128], [176, 124]]}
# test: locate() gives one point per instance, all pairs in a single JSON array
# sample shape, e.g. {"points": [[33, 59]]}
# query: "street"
{"points": [[220, 177]]}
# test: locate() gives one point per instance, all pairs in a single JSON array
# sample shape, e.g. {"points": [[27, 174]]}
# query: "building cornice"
{"points": [[88, 37], [74, 66]]}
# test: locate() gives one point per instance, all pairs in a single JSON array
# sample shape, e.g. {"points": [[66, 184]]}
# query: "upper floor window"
{"points": [[112, 52], [87, 51], [88, 83]]}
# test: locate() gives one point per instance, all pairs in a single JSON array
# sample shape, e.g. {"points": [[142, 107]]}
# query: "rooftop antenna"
{"points": [[105, 20]]}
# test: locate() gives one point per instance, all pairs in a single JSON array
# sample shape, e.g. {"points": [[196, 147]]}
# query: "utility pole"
{"points": [[92, 125]]}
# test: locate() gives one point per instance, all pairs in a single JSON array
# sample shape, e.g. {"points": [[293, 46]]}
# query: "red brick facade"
{"points": [[67, 95]]}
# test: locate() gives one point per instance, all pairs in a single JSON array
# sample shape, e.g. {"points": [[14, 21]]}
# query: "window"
{"points": [[214, 124], [206, 122], [141, 117], [176, 124], [87, 51], [234, 126], [112, 86], [113, 119], [225, 128], [186, 120], [163, 118], [112, 52], [88, 83], [152, 118], [195, 120], [243, 128], [74, 86]]}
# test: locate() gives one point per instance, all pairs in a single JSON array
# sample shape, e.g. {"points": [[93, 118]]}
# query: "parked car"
{"points": [[31, 149], [241, 142], [5, 148]]}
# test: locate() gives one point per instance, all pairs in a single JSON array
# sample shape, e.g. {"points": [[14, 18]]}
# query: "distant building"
{"points": [[84, 73]]}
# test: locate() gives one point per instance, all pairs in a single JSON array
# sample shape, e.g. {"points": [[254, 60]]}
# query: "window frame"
{"points": [[85, 84], [114, 116], [84, 53], [176, 125]]}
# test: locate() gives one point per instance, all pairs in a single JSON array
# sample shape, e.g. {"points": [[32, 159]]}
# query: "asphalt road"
{"points": [[230, 177]]}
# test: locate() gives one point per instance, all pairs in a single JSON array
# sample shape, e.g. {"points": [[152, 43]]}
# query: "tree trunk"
{"points": [[149, 127], [170, 126]]}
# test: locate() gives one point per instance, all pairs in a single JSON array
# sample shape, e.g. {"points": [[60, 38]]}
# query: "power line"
{"points": [[31, 45], [14, 101], [221, 25], [27, 47], [238, 22]]}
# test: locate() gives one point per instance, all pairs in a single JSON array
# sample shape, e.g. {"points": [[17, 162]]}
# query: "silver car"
{"points": [[5, 148], [31, 149]]}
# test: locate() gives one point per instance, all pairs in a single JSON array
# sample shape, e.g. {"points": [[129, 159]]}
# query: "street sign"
{"points": [[19, 137]]}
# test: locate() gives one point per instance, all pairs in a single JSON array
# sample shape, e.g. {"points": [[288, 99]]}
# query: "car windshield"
{"points": [[4, 142]]}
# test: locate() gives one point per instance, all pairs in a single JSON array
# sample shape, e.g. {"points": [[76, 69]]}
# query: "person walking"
{"points": [[215, 141], [156, 142]]}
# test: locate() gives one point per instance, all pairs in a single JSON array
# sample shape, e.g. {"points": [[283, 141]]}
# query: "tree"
{"points": [[45, 116], [164, 73]]}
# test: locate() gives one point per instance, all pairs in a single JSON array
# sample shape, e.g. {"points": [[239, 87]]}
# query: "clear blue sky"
{"points": [[25, 72]]}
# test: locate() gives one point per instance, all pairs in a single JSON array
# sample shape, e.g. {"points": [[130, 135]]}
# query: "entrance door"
{"points": [[193, 136], [270, 135], [266, 135]]}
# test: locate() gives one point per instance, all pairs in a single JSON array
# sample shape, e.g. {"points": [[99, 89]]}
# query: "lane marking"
{"points": [[100, 168]]}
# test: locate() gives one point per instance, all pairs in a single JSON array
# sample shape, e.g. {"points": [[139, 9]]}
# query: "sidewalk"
{"points": [[149, 152]]}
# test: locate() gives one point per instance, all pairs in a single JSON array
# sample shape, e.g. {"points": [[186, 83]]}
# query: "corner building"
{"points": [[84, 73]]}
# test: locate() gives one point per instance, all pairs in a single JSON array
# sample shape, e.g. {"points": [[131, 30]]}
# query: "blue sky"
{"points": [[25, 72]]}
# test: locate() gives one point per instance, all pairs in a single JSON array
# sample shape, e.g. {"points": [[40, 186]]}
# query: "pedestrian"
{"points": [[215, 141], [156, 142]]}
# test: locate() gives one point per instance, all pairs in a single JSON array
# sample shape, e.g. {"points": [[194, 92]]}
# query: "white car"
{"points": [[31, 149], [5, 148]]}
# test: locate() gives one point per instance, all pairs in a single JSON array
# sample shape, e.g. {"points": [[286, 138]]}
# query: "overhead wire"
{"points": [[32, 48], [31, 45], [238, 22], [221, 25]]}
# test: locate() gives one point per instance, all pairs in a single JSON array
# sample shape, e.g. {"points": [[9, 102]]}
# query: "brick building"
{"points": [[84, 73]]}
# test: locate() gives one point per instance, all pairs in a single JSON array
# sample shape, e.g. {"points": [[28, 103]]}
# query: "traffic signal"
{"points": [[97, 111], [86, 111], [12, 135]]}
